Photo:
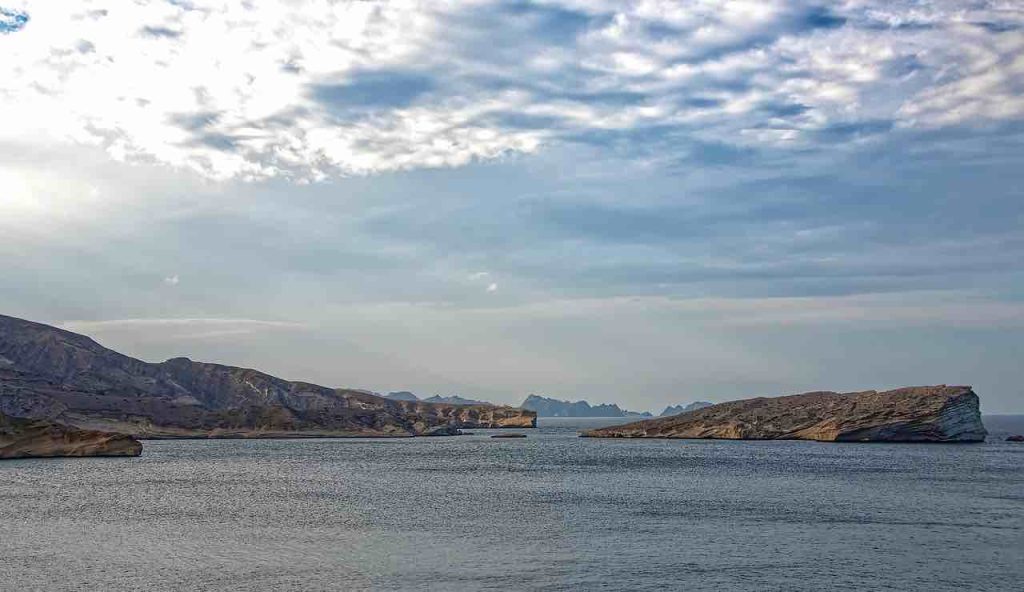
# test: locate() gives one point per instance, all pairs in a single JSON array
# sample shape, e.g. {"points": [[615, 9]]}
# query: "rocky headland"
{"points": [[32, 438], [913, 414], [53, 374]]}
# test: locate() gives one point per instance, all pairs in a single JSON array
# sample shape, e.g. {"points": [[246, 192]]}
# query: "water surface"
{"points": [[551, 512]]}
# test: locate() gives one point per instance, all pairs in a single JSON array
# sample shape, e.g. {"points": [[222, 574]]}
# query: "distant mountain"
{"points": [[52, 374], [401, 396], [677, 409], [546, 407], [446, 400], [454, 400]]}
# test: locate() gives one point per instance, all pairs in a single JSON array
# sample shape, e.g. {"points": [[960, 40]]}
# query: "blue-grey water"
{"points": [[550, 512]]}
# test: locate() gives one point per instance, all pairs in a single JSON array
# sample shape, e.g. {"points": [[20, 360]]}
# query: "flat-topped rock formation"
{"points": [[913, 414], [31, 438], [49, 373]]}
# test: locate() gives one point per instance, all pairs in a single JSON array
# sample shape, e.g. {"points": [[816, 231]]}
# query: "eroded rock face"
{"points": [[50, 373], [28, 438], [913, 414]]}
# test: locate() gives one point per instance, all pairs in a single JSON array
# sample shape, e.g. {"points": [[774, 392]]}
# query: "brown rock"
{"points": [[27, 438], [914, 414]]}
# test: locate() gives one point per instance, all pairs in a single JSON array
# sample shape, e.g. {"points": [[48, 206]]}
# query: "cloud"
{"points": [[175, 322], [935, 308], [12, 21], [178, 328], [311, 90], [492, 287], [171, 280]]}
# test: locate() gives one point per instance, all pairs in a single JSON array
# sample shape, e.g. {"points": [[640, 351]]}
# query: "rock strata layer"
{"points": [[50, 373], [913, 414], [28, 438]]}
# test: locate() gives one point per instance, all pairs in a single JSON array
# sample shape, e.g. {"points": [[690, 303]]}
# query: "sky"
{"points": [[638, 202]]}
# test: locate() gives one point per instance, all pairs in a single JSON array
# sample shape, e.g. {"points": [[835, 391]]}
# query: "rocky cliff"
{"points": [[50, 373], [29, 438], [914, 414]]}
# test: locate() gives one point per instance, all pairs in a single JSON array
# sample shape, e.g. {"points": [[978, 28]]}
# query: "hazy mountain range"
{"points": [[547, 407], [447, 400], [550, 407], [677, 409]]}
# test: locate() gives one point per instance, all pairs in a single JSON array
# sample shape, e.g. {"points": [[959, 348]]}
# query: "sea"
{"points": [[549, 512]]}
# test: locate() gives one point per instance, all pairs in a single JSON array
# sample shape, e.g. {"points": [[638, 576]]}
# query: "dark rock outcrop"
{"points": [[547, 407], [54, 374], [1015, 439], [32, 438], [914, 414], [677, 409]]}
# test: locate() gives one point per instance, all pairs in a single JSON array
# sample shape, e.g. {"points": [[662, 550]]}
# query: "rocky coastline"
{"points": [[28, 438]]}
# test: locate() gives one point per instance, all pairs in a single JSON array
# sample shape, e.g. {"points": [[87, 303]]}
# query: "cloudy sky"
{"points": [[641, 202]]}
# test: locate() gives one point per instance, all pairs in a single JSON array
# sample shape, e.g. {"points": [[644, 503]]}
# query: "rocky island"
{"points": [[913, 414], [60, 376], [28, 438]]}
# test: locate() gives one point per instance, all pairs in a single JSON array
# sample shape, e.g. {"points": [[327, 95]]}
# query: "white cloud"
{"points": [[229, 89], [178, 328], [171, 280], [175, 322], [905, 309], [492, 287]]}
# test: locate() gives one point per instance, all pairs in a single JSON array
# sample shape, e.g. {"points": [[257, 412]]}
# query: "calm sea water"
{"points": [[551, 512]]}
